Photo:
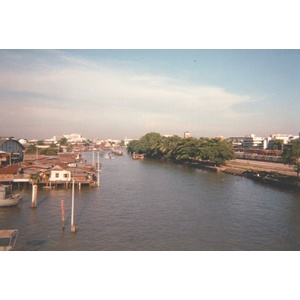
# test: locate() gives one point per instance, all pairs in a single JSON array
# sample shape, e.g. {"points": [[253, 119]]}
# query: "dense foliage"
{"points": [[291, 155], [208, 150], [51, 150]]}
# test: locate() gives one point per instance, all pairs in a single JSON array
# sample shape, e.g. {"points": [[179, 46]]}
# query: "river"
{"points": [[155, 205]]}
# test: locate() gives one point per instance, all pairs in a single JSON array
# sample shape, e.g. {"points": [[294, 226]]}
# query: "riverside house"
{"points": [[60, 175], [7, 173], [11, 151]]}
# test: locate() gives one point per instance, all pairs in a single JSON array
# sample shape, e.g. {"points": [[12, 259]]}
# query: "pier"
{"points": [[52, 172], [8, 238]]}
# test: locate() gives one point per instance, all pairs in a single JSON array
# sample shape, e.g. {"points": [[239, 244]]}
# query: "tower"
{"points": [[186, 135]]}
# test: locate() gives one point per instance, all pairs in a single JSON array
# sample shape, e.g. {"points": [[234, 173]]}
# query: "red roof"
{"points": [[12, 169]]}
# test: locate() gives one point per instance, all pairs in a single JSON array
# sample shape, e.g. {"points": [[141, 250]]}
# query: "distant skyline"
{"points": [[118, 93]]}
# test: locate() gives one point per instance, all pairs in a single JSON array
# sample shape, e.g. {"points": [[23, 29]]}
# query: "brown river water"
{"points": [[153, 205]]}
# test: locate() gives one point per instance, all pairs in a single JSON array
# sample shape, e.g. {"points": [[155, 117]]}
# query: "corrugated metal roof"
{"points": [[3, 141], [13, 169]]}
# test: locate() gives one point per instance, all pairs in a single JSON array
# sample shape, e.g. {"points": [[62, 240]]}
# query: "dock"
{"points": [[51, 171], [8, 238]]}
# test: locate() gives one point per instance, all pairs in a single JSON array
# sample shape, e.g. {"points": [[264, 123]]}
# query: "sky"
{"points": [[128, 93]]}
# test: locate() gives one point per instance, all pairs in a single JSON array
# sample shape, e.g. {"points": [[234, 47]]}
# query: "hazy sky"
{"points": [[118, 93]]}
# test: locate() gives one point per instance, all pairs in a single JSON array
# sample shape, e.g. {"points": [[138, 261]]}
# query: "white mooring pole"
{"points": [[93, 158], [73, 227], [34, 195], [98, 177]]}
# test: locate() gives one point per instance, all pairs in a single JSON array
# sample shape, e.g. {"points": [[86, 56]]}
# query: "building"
{"points": [[74, 138], [55, 139], [255, 142], [11, 151], [285, 138], [186, 135], [7, 173], [60, 174], [127, 141], [235, 141]]}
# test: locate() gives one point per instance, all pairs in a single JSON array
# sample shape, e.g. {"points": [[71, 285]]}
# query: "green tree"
{"points": [[63, 141], [218, 152], [31, 149], [166, 146], [187, 150], [211, 151], [51, 151], [277, 145], [291, 156], [134, 146], [148, 144]]}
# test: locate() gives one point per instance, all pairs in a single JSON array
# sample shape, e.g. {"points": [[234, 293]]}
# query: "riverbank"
{"points": [[275, 174], [279, 175]]}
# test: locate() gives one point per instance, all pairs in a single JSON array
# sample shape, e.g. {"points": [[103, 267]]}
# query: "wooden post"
{"points": [[62, 214], [34, 195], [73, 227]]}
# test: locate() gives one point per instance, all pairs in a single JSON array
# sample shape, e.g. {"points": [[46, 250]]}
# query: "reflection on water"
{"points": [[153, 205]]}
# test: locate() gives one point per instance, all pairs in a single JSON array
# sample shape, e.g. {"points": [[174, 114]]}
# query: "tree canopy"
{"points": [[208, 150], [291, 155]]}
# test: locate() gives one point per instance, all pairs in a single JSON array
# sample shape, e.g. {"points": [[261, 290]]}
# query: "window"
{"points": [[66, 175], [56, 175]]}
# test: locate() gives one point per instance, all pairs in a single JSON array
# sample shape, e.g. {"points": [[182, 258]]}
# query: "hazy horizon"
{"points": [[118, 93]]}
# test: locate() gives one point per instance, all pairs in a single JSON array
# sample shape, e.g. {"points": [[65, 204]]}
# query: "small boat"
{"points": [[138, 156], [109, 156], [117, 152], [8, 238], [7, 198]]}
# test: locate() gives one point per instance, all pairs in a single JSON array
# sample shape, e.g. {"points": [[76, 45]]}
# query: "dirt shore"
{"points": [[241, 165], [264, 172]]}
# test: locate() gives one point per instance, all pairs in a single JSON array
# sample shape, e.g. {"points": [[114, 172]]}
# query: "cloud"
{"points": [[85, 95]]}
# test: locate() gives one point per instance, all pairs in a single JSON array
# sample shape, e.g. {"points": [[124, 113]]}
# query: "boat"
{"points": [[117, 152], [109, 155], [7, 198], [8, 238], [138, 156]]}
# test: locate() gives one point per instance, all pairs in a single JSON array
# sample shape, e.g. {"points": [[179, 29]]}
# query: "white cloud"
{"points": [[95, 96]]}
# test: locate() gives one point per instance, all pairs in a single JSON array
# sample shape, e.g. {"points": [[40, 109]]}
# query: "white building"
{"points": [[236, 141], [127, 141], [55, 139], [255, 142], [286, 138], [74, 138], [186, 135], [60, 174]]}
